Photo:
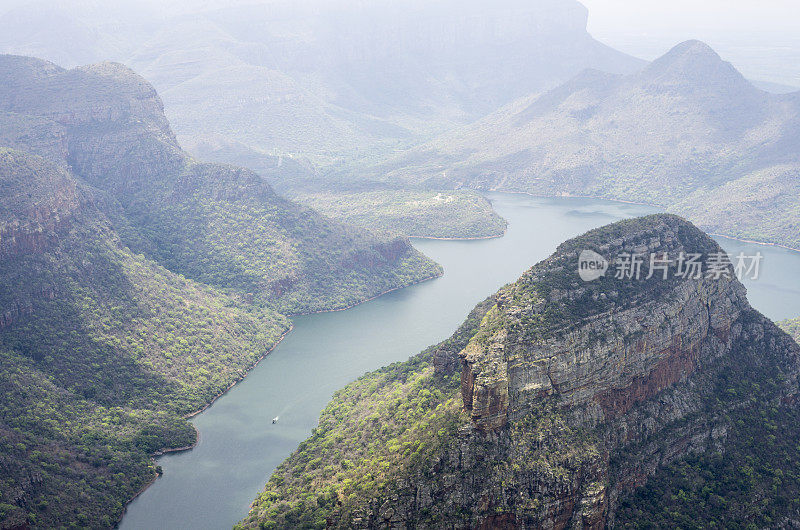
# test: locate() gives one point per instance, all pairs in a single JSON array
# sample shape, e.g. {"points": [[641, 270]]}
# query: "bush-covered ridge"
{"points": [[372, 432], [446, 215], [103, 350], [213, 223]]}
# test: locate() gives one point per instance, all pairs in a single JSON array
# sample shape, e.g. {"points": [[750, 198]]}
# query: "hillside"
{"points": [[217, 224], [102, 352], [562, 403], [107, 337], [687, 133]]}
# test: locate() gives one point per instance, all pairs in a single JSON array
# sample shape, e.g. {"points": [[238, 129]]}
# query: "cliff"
{"points": [[554, 404], [37, 199]]}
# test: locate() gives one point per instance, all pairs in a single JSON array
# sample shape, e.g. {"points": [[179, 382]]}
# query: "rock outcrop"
{"points": [[623, 351], [624, 362], [38, 199]]}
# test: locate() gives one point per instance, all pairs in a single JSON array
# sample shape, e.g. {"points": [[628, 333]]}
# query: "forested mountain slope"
{"points": [[108, 338], [102, 352], [218, 224]]}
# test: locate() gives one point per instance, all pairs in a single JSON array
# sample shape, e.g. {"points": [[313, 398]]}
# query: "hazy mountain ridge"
{"points": [[556, 401], [687, 133], [218, 224], [325, 80]]}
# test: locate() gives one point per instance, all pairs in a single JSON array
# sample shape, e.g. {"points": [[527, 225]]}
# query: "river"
{"points": [[212, 486]]}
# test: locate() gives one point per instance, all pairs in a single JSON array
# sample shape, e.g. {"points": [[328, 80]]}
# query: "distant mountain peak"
{"points": [[694, 64], [693, 47]]}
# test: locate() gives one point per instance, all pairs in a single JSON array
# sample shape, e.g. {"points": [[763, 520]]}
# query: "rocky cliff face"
{"points": [[566, 395], [622, 352], [37, 199], [635, 373]]}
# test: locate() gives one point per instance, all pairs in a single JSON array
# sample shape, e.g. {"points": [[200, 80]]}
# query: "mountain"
{"points": [[110, 332], [687, 133], [328, 80], [560, 403], [102, 352], [216, 224]]}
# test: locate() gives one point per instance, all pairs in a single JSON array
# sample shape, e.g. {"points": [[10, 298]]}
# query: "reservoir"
{"points": [[212, 486]]}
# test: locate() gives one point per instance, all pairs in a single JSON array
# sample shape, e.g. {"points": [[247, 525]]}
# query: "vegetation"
{"points": [[107, 340], [102, 354], [372, 431], [792, 327], [229, 231], [753, 483], [456, 215]]}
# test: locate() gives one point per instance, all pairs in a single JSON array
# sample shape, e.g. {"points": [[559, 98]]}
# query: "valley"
{"points": [[687, 133], [210, 486], [137, 285], [351, 264]]}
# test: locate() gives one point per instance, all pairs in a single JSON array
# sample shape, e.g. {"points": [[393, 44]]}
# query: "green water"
{"points": [[212, 485]]}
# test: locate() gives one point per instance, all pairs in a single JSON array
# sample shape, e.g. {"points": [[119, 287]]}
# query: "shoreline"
{"points": [[623, 201], [572, 196], [237, 381], [164, 451], [752, 242], [351, 306], [481, 238]]}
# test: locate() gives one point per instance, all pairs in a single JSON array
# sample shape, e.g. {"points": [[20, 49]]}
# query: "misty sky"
{"points": [[761, 37], [688, 16]]}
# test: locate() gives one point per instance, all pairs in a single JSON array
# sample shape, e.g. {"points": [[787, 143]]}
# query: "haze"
{"points": [[760, 38]]}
